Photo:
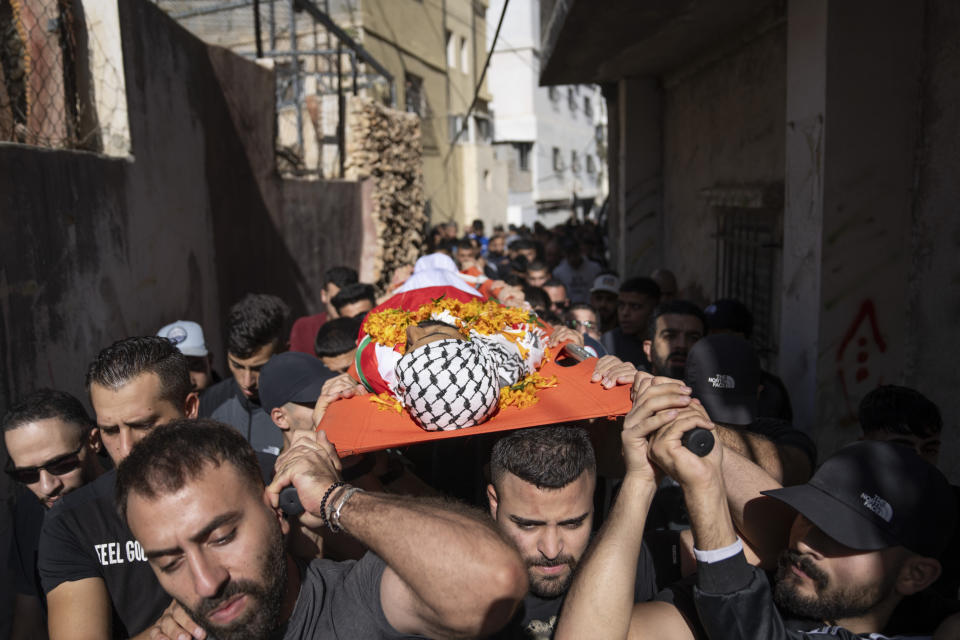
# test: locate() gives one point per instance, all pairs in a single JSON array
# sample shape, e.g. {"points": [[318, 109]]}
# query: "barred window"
{"points": [[749, 240]]}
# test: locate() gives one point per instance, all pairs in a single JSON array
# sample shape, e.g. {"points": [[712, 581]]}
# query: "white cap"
{"points": [[607, 282], [187, 335]]}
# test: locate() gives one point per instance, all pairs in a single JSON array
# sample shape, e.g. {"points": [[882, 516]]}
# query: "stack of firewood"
{"points": [[383, 145]]}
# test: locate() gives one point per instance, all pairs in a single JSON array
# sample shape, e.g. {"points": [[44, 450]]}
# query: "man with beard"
{"points": [[96, 580], [52, 445], [541, 497], [193, 496], [671, 331], [850, 545]]}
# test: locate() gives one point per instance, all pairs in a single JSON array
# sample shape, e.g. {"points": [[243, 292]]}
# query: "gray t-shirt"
{"points": [[340, 601]]}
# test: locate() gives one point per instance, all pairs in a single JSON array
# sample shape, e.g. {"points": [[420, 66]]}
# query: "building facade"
{"points": [[552, 138], [795, 154]]}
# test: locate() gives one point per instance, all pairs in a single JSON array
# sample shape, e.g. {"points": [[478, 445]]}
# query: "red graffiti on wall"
{"points": [[853, 366]]}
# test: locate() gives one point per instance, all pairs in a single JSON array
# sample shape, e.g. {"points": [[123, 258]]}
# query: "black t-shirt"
{"points": [[537, 617], [226, 403], [28, 515], [83, 537], [340, 601]]}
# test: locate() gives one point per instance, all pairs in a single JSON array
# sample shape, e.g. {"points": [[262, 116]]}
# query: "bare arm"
{"points": [[599, 603], [786, 464], [449, 572], [763, 522], [79, 610], [600, 600]]}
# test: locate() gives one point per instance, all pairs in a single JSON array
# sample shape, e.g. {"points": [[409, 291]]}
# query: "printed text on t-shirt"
{"points": [[117, 553]]}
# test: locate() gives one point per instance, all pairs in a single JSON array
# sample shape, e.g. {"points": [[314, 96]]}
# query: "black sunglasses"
{"points": [[58, 467]]}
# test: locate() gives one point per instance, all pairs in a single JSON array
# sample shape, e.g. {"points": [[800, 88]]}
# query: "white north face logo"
{"points": [[722, 381], [878, 505]]}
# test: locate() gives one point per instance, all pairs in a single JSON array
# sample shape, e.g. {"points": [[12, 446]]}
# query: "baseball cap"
{"points": [[729, 315], [723, 371], [291, 377], [187, 336], [872, 495], [606, 282]]}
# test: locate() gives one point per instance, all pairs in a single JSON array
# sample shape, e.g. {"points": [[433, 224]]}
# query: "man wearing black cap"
{"points": [[732, 316], [850, 545], [724, 373], [290, 384]]}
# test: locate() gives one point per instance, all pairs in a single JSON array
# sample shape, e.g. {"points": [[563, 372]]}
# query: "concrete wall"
{"points": [[873, 71], [723, 125], [98, 248], [933, 341]]}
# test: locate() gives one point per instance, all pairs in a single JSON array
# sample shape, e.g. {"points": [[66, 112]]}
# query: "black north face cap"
{"points": [[291, 377], [873, 495], [723, 371]]}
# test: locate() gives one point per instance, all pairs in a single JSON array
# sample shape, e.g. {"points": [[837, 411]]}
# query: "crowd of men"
{"points": [[160, 516]]}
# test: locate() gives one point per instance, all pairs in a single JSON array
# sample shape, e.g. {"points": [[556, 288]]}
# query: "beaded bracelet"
{"points": [[335, 516], [323, 502]]}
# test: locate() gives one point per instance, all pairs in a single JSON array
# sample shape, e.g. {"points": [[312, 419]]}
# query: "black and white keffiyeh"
{"points": [[450, 384]]}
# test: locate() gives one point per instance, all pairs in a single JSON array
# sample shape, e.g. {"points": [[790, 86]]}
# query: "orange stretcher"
{"points": [[357, 425]]}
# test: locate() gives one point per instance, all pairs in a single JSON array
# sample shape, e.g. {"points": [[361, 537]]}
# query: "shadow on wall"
{"points": [[232, 99], [96, 248]]}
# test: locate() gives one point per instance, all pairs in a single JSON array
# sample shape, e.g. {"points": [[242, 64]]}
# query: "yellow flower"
{"points": [[524, 393], [389, 327], [386, 402]]}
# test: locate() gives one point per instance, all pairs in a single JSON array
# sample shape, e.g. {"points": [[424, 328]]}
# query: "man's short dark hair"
{"points": [[169, 457], [354, 293], [553, 282], [256, 321], [902, 410], [126, 359], [547, 457], [581, 306], [466, 244], [536, 265], [646, 286], [44, 404], [674, 307], [536, 297], [521, 244], [340, 276], [337, 336]]}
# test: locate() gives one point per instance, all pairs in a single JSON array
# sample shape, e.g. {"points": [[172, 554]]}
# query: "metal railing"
{"points": [[317, 63]]}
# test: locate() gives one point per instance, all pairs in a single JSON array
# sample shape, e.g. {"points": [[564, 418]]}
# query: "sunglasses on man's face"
{"points": [[586, 324], [58, 466]]}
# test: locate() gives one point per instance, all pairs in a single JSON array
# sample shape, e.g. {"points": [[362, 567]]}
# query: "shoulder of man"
{"points": [[100, 489], [213, 397], [341, 600]]}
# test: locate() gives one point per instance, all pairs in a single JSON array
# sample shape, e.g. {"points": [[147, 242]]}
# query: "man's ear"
{"points": [[279, 417], [93, 440], [917, 573], [278, 513], [646, 348], [492, 500], [191, 405]]}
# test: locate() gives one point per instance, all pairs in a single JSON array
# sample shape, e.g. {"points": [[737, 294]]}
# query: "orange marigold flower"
{"points": [[386, 402]]}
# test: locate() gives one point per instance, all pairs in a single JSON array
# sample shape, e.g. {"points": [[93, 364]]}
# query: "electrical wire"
{"points": [[483, 74]]}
